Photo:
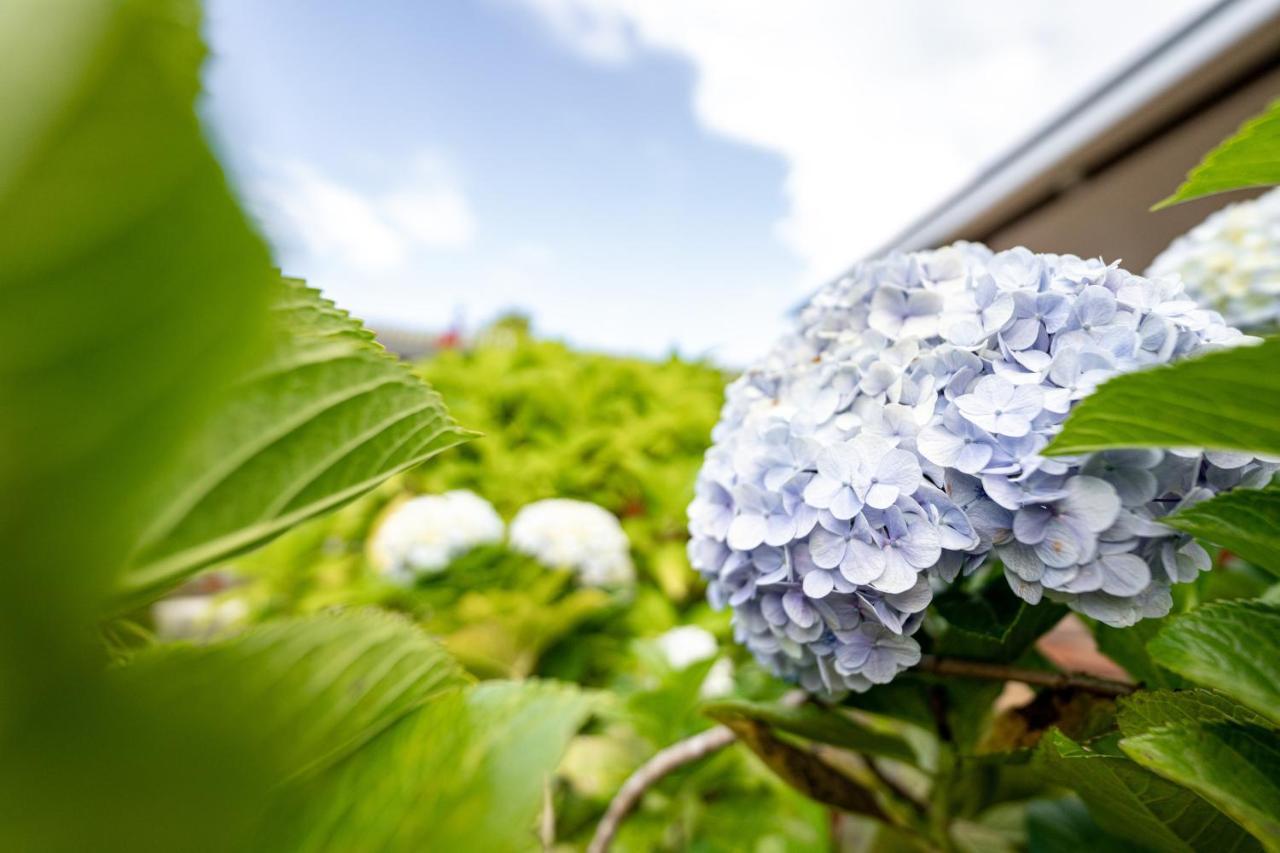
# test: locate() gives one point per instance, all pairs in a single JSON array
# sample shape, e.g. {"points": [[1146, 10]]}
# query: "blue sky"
{"points": [[639, 175]]}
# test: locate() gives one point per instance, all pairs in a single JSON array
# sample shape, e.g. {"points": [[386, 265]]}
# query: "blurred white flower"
{"points": [[719, 680], [575, 535], [685, 645], [422, 535], [197, 617], [1231, 262]]}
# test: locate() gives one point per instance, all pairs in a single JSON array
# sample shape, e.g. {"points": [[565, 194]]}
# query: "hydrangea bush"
{"points": [[893, 441], [576, 535], [424, 534], [1231, 262]]}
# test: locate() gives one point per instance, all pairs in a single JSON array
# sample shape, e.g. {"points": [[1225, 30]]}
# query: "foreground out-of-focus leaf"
{"points": [[1229, 399], [327, 416], [804, 771], [1231, 646], [1244, 521], [131, 288], [465, 772], [1151, 709], [1131, 802], [822, 724], [1248, 158], [1064, 825], [1235, 767], [310, 690], [130, 285]]}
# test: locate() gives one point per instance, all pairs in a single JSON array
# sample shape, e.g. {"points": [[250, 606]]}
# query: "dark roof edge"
{"points": [[1060, 153]]}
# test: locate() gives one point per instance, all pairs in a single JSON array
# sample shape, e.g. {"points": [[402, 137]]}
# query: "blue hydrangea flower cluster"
{"points": [[893, 441], [1231, 262]]}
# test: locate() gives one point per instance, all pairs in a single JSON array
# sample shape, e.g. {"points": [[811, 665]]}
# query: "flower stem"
{"points": [[1039, 678]]}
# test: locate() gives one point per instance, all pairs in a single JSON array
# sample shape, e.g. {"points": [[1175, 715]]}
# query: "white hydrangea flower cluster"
{"points": [[685, 645], [577, 535], [892, 442], [1231, 262], [424, 534], [198, 618]]}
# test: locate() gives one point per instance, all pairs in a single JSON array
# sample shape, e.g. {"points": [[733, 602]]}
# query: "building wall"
{"points": [[1107, 213]]}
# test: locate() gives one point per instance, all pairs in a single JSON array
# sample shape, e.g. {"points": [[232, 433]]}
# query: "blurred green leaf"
{"points": [[822, 724], [1245, 522], [1151, 709], [1231, 646], [324, 418], [1064, 825], [1226, 399], [906, 698], [1235, 767], [969, 707], [465, 772], [1248, 158], [130, 286], [1131, 802], [804, 771], [310, 690]]}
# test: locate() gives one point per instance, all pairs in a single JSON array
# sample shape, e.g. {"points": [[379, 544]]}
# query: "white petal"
{"points": [[845, 504], [899, 468], [939, 445], [747, 532], [862, 562], [898, 575], [1124, 574], [882, 495], [1092, 501], [818, 584], [821, 491], [826, 549]]}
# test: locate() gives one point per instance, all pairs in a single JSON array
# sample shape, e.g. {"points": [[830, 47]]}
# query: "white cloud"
{"points": [[362, 230], [437, 218], [880, 109], [331, 220], [581, 26]]}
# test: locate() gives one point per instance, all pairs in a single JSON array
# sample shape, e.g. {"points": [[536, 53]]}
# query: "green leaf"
{"points": [[130, 285], [1131, 802], [822, 724], [804, 771], [993, 625], [311, 690], [1227, 399], [1231, 646], [1235, 767], [1064, 825], [1245, 522], [1248, 158], [466, 772], [1151, 709], [906, 698], [324, 418]]}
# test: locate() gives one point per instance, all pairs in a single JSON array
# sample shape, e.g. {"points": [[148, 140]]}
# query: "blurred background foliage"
{"points": [[627, 434]]}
